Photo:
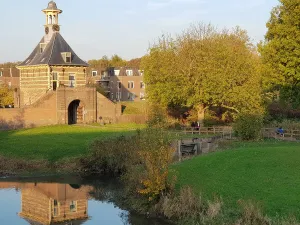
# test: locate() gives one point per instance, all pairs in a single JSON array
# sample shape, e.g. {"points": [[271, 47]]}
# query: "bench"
{"points": [[188, 149]]}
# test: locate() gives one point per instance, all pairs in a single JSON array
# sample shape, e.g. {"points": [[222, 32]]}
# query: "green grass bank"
{"points": [[265, 172], [55, 143]]}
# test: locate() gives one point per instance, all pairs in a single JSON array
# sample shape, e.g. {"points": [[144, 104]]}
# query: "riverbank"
{"points": [[265, 172]]}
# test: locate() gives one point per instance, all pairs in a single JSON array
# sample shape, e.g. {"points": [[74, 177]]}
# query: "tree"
{"points": [[134, 63], [117, 61], [281, 51], [105, 62], [203, 68], [6, 96]]}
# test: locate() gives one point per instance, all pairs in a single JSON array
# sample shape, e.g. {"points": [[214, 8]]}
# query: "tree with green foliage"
{"points": [[6, 96], [281, 51], [117, 61], [105, 62], [203, 68]]}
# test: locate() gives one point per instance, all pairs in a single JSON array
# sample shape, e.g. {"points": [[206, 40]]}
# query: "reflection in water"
{"points": [[48, 203], [68, 204]]}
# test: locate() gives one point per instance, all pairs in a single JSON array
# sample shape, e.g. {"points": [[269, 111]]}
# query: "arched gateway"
{"points": [[75, 112]]}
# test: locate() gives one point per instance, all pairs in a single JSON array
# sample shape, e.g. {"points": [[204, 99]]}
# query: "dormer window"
{"points": [[141, 72], [129, 72], [67, 56]]}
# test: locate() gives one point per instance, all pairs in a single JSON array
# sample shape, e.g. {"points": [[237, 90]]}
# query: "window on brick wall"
{"points": [[1, 73], [119, 96], [131, 96], [94, 73], [142, 85], [73, 206], [71, 80], [130, 84]]}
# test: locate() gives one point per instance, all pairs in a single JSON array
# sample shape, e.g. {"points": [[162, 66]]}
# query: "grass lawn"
{"points": [[57, 142], [266, 172]]}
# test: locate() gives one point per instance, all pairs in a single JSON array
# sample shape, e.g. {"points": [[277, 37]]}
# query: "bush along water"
{"points": [[142, 162]]}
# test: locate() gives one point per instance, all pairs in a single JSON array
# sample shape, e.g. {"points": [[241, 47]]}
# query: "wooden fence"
{"points": [[287, 135], [208, 130]]}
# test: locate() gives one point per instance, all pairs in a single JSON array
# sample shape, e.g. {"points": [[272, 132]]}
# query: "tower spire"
{"points": [[52, 24]]}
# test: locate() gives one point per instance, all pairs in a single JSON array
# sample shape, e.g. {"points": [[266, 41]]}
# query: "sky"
{"points": [[94, 28]]}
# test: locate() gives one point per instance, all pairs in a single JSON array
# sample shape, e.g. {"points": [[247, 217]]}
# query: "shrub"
{"points": [[189, 208], [248, 126], [157, 117], [252, 215], [143, 159]]}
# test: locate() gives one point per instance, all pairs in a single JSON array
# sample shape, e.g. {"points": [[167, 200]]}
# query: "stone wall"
{"points": [[107, 110]]}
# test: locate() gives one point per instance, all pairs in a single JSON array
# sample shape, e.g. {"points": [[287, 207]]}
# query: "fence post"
{"points": [[179, 150]]}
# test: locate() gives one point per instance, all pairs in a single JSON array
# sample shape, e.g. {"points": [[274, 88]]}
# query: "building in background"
{"points": [[119, 84], [9, 75]]}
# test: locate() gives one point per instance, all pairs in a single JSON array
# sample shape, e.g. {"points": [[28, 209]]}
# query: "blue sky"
{"points": [[95, 28]]}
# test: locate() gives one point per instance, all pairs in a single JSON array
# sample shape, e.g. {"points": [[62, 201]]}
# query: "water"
{"points": [[64, 201]]}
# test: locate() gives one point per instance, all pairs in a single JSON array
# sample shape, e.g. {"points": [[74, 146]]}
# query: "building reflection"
{"points": [[51, 203]]}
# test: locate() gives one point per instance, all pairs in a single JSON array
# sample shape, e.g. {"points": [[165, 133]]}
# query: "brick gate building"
{"points": [[53, 82]]}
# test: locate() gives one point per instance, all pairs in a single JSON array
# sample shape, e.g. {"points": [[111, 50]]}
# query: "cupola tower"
{"points": [[52, 25]]}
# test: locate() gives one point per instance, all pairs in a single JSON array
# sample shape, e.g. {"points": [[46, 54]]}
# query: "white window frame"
{"points": [[117, 72], [129, 73], [93, 73], [66, 55], [73, 203], [112, 96], [74, 80], [119, 95], [1, 73], [131, 96], [119, 85], [143, 85], [142, 95]]}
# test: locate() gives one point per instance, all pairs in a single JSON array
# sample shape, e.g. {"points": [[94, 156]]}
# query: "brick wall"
{"points": [[107, 109], [87, 97]]}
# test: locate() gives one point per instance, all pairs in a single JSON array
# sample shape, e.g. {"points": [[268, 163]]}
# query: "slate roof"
{"points": [[52, 54]]}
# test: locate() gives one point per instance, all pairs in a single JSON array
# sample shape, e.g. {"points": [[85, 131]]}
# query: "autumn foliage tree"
{"points": [[204, 67], [6, 96]]}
